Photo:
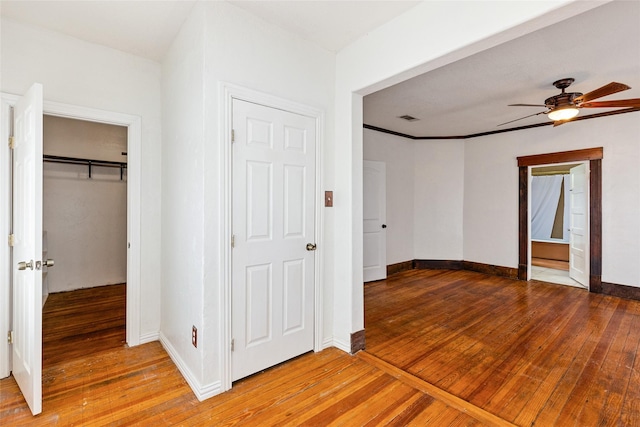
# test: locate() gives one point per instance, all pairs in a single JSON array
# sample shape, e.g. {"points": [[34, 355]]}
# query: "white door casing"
{"points": [[273, 203], [27, 249], [579, 225], [374, 221]]}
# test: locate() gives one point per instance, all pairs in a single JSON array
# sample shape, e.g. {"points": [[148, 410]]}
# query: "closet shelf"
{"points": [[87, 162]]}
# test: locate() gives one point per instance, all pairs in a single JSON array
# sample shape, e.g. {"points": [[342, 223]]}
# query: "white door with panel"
{"points": [[374, 221], [579, 224], [27, 249], [273, 258]]}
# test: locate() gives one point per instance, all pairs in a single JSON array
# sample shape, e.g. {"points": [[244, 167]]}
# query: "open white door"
{"points": [[27, 249], [579, 225], [375, 216]]}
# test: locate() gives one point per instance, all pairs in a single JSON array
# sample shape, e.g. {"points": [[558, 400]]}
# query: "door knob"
{"points": [[24, 265], [48, 263], [311, 246], [384, 225]]}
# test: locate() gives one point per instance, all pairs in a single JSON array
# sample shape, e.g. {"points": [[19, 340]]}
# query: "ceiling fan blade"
{"points": [[526, 105], [605, 90], [530, 115], [620, 103]]}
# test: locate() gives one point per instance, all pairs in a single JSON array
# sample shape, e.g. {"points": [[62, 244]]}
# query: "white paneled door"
{"points": [[374, 221], [273, 259], [27, 249], [579, 224]]}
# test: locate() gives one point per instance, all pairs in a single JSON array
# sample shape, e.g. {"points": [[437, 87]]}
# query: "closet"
{"points": [[84, 203]]}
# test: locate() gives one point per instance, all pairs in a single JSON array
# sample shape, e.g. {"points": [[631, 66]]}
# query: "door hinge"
{"points": [[233, 345], [11, 142], [12, 240], [233, 241], [10, 337], [233, 135]]}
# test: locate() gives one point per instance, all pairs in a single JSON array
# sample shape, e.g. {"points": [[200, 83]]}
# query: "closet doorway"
{"points": [[559, 223], [85, 225]]}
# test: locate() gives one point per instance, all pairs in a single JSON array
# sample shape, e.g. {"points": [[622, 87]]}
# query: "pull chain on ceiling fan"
{"points": [[566, 105]]}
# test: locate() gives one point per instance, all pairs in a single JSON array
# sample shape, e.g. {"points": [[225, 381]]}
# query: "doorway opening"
{"points": [[84, 231], [559, 250], [591, 159]]}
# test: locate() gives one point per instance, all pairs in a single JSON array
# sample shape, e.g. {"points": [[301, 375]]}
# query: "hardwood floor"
{"points": [[531, 353], [83, 322], [443, 348], [550, 263], [91, 378]]}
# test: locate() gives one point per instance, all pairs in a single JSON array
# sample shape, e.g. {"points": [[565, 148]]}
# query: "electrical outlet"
{"points": [[194, 336]]}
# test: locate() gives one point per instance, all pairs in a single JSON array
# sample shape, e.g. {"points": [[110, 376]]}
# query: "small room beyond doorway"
{"points": [[550, 221], [84, 210]]}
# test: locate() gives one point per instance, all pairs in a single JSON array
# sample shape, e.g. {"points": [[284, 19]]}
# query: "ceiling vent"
{"points": [[408, 118]]}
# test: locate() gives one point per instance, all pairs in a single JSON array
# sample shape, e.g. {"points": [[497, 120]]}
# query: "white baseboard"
{"points": [[150, 337], [335, 342], [201, 392]]}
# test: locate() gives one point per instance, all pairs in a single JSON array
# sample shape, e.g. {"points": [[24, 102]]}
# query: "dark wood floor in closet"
{"points": [[83, 322], [443, 348]]}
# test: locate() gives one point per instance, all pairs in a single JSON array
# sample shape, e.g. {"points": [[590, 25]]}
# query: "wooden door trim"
{"points": [[561, 157], [594, 156]]}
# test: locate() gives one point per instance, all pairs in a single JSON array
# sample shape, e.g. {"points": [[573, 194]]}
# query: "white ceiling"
{"points": [[467, 97], [471, 96], [147, 27], [143, 28], [330, 24]]}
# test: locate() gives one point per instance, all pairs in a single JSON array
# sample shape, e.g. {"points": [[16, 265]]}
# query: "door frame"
{"points": [[134, 139], [573, 164], [594, 157], [228, 92]]}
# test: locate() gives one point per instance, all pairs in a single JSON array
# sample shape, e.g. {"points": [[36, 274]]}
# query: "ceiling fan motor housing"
{"points": [[564, 99]]}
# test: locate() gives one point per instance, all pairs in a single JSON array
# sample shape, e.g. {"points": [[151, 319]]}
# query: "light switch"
{"points": [[328, 199]]}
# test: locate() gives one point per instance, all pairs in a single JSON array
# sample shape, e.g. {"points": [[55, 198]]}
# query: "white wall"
{"points": [[218, 43], [418, 41], [182, 198], [80, 73], [439, 175], [85, 218], [425, 193], [491, 191], [465, 204], [398, 155]]}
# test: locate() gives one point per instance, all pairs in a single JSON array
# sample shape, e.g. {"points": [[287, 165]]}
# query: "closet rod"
{"points": [[88, 162]]}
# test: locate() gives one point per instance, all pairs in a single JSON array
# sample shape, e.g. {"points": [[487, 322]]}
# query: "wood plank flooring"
{"points": [[550, 263], [83, 322], [531, 353], [90, 378], [443, 348]]}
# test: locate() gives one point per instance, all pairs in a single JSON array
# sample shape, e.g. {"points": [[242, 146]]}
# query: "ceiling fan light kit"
{"points": [[563, 113], [567, 105]]}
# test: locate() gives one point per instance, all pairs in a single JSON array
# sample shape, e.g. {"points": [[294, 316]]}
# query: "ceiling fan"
{"points": [[566, 105]]}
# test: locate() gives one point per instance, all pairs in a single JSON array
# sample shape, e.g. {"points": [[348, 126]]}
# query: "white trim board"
{"points": [[134, 158], [228, 92], [201, 392]]}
